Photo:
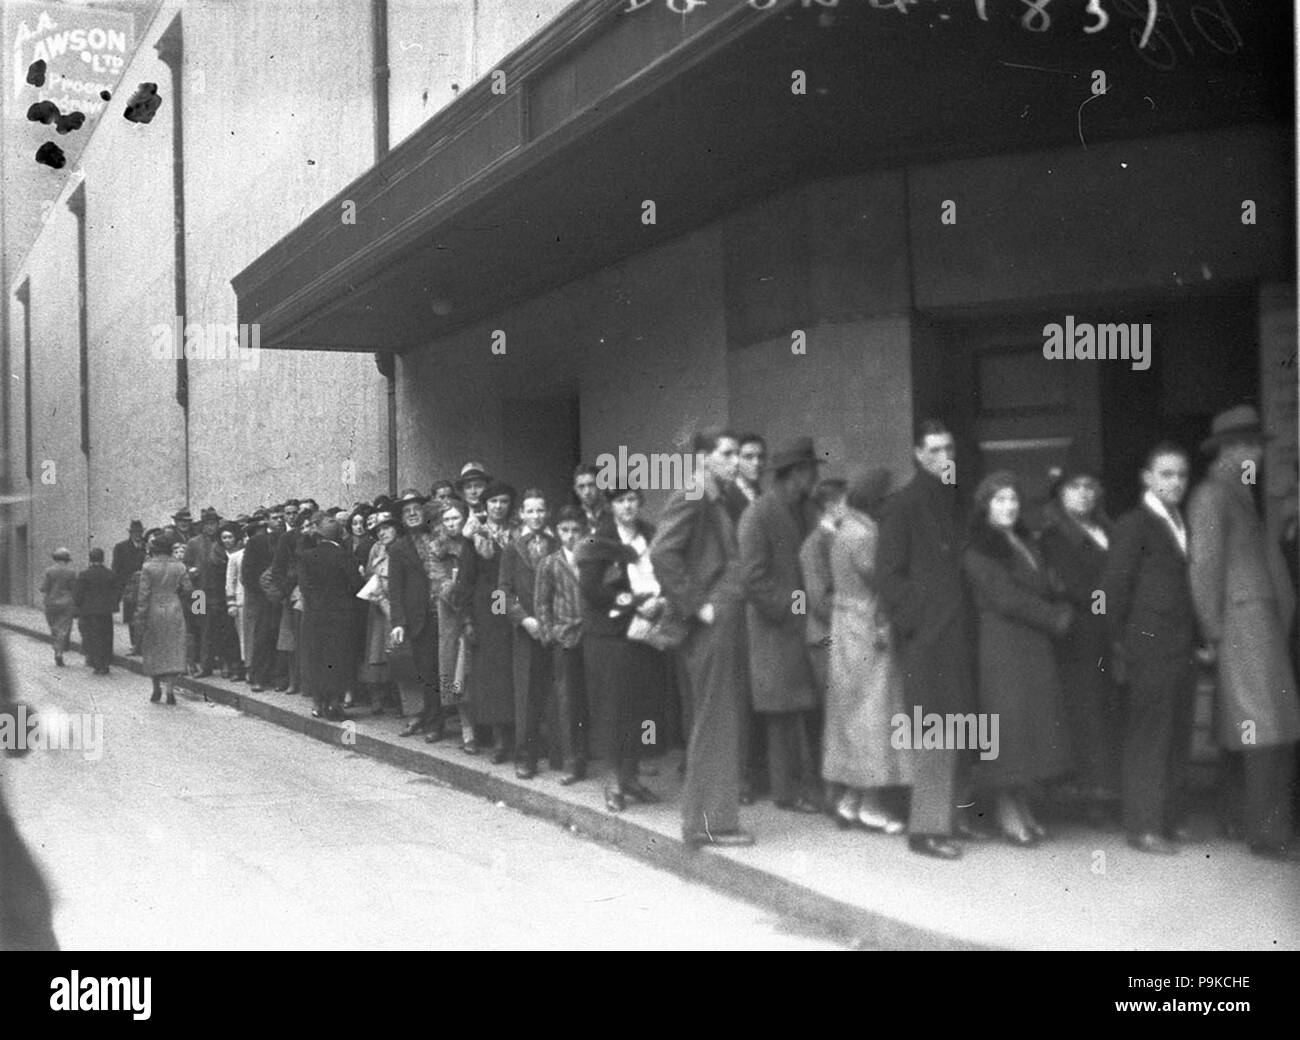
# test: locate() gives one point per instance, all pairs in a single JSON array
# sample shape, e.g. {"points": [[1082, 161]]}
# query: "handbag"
{"points": [[665, 632]]}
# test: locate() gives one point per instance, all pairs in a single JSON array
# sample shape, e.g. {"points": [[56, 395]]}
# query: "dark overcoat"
{"points": [[770, 536], [491, 682], [1017, 616], [329, 578], [411, 609], [919, 567], [96, 591]]}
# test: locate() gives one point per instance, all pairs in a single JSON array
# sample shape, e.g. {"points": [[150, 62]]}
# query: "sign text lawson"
{"points": [[85, 51]]}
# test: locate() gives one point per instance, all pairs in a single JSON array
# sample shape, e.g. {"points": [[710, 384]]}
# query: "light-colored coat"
{"points": [[864, 689], [1245, 606], [770, 537]]}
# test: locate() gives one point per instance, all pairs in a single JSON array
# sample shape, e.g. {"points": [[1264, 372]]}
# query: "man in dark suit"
{"points": [[697, 561], [128, 557], [96, 597], [264, 612], [198, 558], [329, 577], [1148, 603], [919, 565]]}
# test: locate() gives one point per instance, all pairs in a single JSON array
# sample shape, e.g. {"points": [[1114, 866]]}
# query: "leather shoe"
{"points": [[525, 771], [502, 755], [569, 779], [412, 729], [614, 800], [638, 792], [799, 805], [731, 839], [1152, 843], [470, 747], [1285, 852], [970, 828], [935, 845], [256, 688]]}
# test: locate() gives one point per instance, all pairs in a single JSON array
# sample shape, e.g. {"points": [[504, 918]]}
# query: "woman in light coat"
{"points": [[164, 589], [58, 588], [864, 686]]}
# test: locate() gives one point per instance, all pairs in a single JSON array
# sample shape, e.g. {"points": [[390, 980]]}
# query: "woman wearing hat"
{"points": [[357, 540], [471, 485], [447, 549], [58, 589], [1076, 542], [1019, 617], [491, 684], [413, 663], [385, 529], [864, 686], [164, 588], [626, 679]]}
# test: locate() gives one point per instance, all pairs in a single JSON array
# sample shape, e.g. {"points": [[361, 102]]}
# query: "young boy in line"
{"points": [[558, 606]]}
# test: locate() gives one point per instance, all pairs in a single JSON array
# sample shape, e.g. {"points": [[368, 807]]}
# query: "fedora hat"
{"points": [[135, 525], [794, 453], [1239, 423], [183, 514]]}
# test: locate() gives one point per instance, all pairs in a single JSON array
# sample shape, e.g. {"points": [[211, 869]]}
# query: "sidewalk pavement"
{"points": [[1085, 889]]}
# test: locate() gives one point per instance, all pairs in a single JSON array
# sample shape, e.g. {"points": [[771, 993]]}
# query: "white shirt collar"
{"points": [[1156, 506]]}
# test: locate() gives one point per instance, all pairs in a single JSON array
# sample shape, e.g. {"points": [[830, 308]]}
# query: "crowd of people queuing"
{"points": [[776, 624]]}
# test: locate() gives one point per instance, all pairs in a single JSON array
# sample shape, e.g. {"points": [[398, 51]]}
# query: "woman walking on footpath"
{"points": [[58, 587], [164, 590]]}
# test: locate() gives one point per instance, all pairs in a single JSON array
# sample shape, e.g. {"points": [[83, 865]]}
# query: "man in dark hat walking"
{"points": [[95, 597], [1245, 604], [128, 557], [771, 532]]}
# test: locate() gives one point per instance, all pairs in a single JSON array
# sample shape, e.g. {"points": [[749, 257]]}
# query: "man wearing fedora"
{"points": [[782, 689], [128, 557], [1245, 604]]}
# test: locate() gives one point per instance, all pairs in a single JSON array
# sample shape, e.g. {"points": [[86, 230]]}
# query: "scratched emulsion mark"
{"points": [[50, 154], [36, 73], [47, 112], [143, 104]]}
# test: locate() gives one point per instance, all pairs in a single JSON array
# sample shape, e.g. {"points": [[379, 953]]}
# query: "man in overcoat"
{"points": [[329, 577], [1148, 603], [697, 562], [919, 565], [128, 557], [96, 597], [1245, 604], [781, 680]]}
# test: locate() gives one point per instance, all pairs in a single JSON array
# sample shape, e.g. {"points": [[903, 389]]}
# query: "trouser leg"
{"points": [[571, 686], [711, 794], [1269, 774], [934, 789]]}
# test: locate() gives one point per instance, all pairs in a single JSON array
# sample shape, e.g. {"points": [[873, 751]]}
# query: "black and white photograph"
{"points": [[649, 475]]}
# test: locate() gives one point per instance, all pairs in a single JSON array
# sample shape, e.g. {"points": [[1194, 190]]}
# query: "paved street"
{"points": [[200, 827]]}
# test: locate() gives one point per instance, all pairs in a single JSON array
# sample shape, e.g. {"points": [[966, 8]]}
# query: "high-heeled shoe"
{"points": [[614, 800], [156, 696]]}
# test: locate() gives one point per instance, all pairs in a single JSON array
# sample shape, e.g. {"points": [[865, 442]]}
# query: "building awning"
{"points": [[502, 196]]}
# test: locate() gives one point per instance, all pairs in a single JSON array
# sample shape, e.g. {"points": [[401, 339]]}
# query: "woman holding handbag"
{"points": [[446, 520], [625, 677]]}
